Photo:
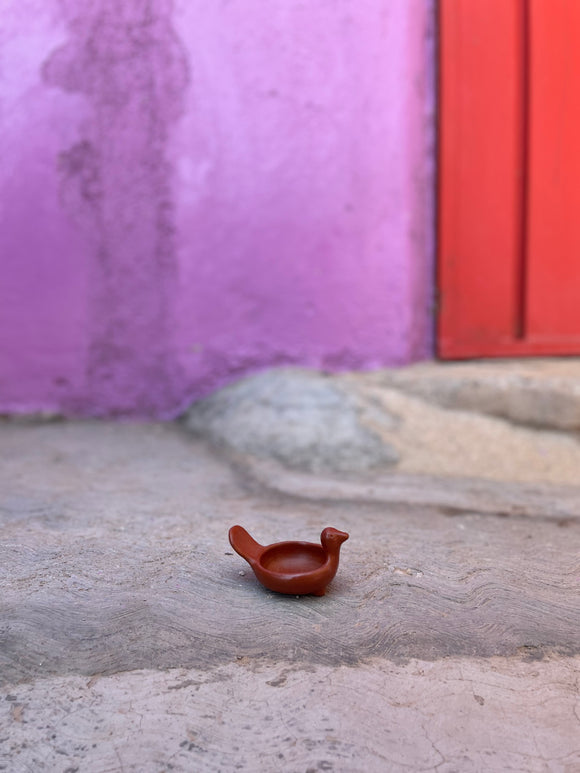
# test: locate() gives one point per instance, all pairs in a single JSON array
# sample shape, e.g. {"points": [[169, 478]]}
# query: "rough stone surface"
{"points": [[446, 716], [133, 638], [431, 440], [302, 419], [374, 422]]}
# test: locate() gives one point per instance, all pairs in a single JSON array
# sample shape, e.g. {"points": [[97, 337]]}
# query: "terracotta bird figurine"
{"points": [[297, 568]]}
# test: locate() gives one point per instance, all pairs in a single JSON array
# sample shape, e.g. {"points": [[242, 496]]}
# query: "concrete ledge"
{"points": [[450, 495], [543, 393]]}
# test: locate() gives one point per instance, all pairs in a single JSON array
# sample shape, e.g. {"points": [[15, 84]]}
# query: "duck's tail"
{"points": [[244, 544]]}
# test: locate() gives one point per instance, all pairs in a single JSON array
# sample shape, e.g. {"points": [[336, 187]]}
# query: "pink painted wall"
{"points": [[193, 190]]}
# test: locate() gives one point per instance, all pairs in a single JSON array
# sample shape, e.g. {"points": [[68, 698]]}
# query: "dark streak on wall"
{"points": [[126, 58]]}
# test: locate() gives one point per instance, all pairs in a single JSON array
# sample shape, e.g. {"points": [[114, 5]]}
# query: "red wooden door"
{"points": [[509, 178]]}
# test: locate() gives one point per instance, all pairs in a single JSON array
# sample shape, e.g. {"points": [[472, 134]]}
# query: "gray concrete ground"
{"points": [[132, 638]]}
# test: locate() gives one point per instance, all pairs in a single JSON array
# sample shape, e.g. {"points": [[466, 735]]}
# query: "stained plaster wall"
{"points": [[196, 189]]}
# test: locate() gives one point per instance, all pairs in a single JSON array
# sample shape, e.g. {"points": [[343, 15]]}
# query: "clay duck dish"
{"points": [[297, 568]]}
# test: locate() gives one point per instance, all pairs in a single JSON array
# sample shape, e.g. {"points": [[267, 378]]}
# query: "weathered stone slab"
{"points": [[115, 557], [133, 639], [448, 715]]}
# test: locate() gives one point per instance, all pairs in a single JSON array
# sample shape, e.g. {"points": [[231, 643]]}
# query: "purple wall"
{"points": [[192, 190]]}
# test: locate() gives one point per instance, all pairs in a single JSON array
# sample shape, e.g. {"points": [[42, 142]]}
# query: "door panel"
{"points": [[509, 240], [553, 273]]}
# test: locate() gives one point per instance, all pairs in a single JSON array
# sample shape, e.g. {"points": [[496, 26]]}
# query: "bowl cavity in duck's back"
{"points": [[297, 558]]}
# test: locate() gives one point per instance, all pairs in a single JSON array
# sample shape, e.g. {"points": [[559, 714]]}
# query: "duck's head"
{"points": [[332, 539]]}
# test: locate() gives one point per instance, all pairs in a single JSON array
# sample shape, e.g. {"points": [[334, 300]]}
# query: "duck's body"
{"points": [[296, 568]]}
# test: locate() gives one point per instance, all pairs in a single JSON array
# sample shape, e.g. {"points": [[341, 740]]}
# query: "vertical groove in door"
{"points": [[522, 263]]}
